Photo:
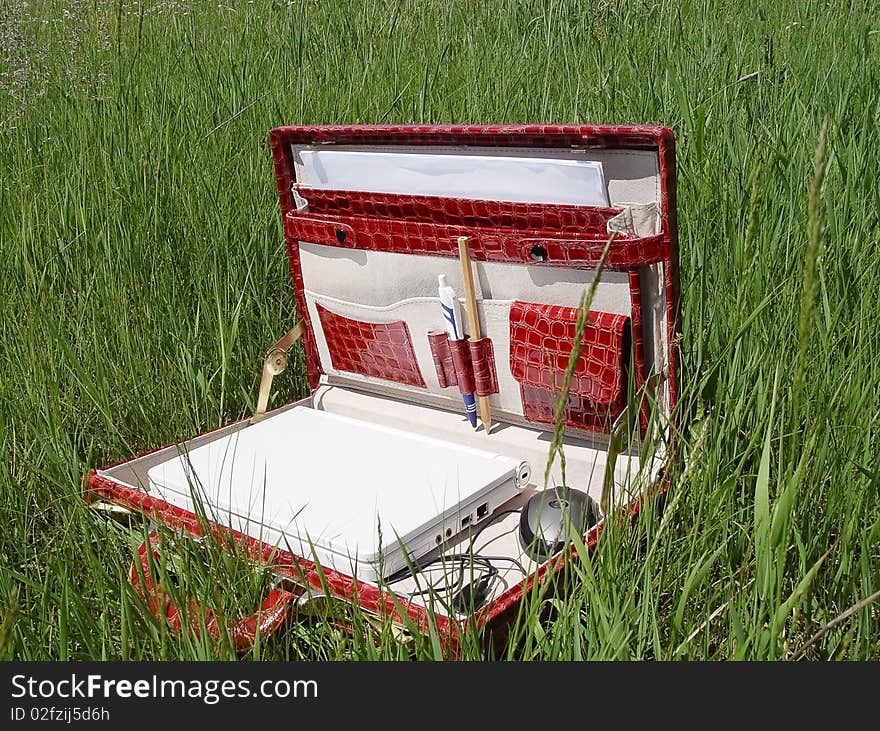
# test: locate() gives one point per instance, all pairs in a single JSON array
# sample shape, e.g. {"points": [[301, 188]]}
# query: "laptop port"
{"points": [[465, 521], [482, 511]]}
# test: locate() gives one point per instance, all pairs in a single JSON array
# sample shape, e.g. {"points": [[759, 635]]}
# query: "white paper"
{"points": [[487, 177]]}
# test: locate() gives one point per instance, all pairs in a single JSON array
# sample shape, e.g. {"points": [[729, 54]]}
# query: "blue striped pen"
{"points": [[452, 320]]}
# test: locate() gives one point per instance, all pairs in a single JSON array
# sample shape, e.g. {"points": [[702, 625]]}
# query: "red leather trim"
{"points": [[575, 220], [442, 355], [268, 620], [483, 361], [668, 182], [487, 244], [638, 336], [638, 341], [461, 362], [380, 350], [519, 135], [541, 338], [298, 569], [282, 157], [468, 362], [310, 347], [624, 255]]}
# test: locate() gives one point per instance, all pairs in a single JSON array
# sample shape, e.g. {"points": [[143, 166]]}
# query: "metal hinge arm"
{"points": [[274, 363]]}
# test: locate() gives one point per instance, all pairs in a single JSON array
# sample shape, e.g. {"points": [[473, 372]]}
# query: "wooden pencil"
{"points": [[470, 300]]}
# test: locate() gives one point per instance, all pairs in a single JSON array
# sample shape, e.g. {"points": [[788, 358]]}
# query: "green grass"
{"points": [[143, 275]]}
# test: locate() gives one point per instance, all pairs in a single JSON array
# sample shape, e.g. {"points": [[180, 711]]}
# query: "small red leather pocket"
{"points": [[469, 364], [541, 340], [380, 350]]}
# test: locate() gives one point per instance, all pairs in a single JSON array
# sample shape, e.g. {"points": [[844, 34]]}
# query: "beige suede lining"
{"points": [[636, 220], [381, 287]]}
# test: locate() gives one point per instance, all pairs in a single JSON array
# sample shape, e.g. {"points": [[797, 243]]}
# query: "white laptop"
{"points": [[357, 497]]}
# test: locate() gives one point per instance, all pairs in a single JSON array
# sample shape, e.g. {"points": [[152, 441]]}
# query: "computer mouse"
{"points": [[546, 519]]}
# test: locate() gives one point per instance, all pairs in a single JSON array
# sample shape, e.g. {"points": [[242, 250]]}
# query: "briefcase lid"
{"points": [[534, 196]]}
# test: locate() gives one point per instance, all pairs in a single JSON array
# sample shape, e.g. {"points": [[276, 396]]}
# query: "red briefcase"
{"points": [[372, 215]]}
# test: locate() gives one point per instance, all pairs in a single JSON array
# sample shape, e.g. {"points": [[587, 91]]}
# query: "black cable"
{"points": [[509, 559], [443, 585], [417, 567], [481, 583], [444, 558], [500, 536], [486, 525]]}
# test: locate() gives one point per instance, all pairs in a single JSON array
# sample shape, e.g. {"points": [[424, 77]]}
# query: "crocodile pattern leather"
{"points": [[461, 361], [487, 244], [442, 356], [576, 220], [483, 361], [671, 284], [310, 347], [380, 350], [297, 569], [640, 371], [539, 406], [271, 617], [476, 361], [541, 338]]}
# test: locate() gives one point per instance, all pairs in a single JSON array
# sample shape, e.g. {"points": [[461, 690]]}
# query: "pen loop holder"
{"points": [[274, 363], [468, 364]]}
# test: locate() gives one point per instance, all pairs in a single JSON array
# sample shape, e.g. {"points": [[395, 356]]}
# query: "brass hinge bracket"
{"points": [[274, 363], [112, 510]]}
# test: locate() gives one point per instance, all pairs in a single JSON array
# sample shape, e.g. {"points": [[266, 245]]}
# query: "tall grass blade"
{"points": [[8, 622], [762, 508], [815, 232], [561, 397]]}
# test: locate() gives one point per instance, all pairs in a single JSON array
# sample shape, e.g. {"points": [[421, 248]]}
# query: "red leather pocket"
{"points": [[469, 364], [541, 340], [404, 236], [483, 362], [380, 350], [442, 355], [556, 218]]}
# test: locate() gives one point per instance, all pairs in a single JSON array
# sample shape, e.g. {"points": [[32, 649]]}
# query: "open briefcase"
{"points": [[372, 215]]}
